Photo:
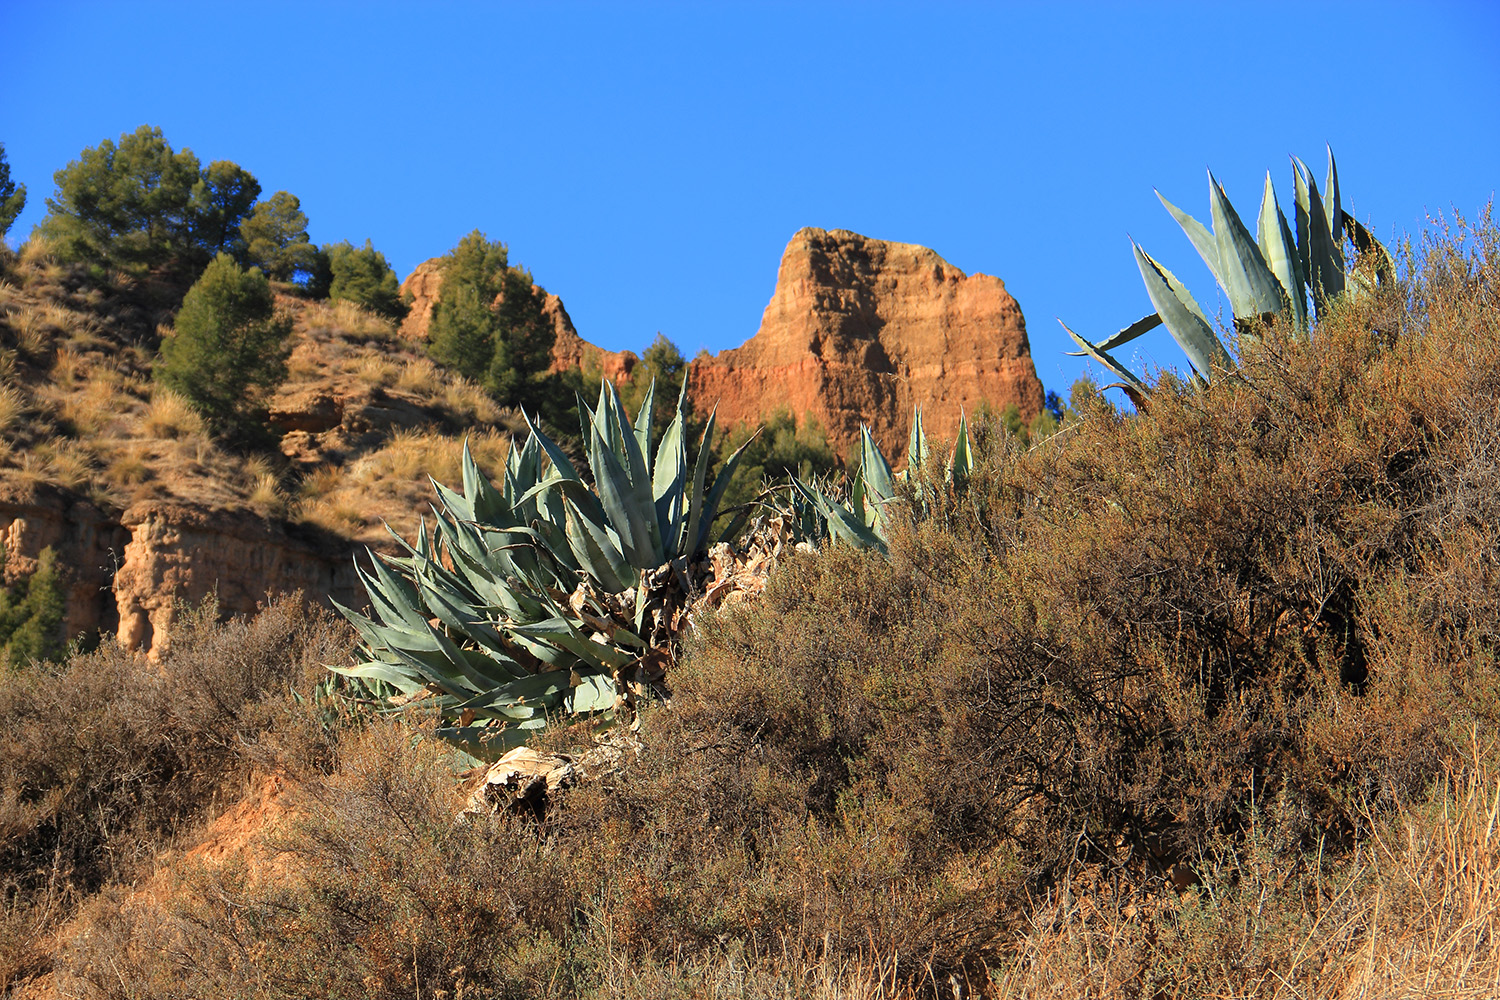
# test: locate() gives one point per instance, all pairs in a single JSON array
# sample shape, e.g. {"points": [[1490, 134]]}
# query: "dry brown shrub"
{"points": [[105, 759]]}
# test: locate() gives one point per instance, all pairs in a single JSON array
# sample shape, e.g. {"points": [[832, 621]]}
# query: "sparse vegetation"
{"points": [[1199, 700]]}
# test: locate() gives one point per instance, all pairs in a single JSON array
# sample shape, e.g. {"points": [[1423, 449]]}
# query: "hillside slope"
{"points": [[147, 510]]}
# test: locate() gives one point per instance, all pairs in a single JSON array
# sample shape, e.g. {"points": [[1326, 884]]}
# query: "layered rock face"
{"points": [[861, 330], [130, 575], [569, 351], [177, 553]]}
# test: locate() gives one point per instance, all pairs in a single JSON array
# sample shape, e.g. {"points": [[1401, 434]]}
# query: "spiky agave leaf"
{"points": [[1099, 354], [1323, 255], [917, 450], [1279, 247], [1253, 290], [1181, 315], [961, 463]]}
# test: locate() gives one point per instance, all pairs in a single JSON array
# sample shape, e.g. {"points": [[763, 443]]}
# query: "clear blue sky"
{"points": [[649, 162]]}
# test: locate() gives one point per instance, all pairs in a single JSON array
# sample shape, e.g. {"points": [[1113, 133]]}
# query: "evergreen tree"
{"points": [[141, 206], [12, 196], [489, 323], [524, 336], [228, 349], [363, 276], [221, 200], [275, 238], [664, 364], [462, 332]]}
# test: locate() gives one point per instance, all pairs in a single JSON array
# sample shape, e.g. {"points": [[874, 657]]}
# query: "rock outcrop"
{"points": [[861, 330], [180, 554], [130, 574], [87, 542], [569, 351], [335, 418]]}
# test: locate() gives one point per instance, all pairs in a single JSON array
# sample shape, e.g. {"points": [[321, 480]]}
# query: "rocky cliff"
{"points": [[177, 554], [861, 330], [131, 574], [858, 331], [87, 541], [569, 350]]}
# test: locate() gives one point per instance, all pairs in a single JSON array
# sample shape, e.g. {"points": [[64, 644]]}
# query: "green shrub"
{"points": [[31, 614], [782, 448], [228, 349], [360, 275], [489, 323]]}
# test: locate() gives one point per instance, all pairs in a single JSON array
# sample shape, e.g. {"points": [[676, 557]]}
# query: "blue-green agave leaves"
{"points": [[863, 519], [1272, 275], [1181, 315], [1254, 292]]}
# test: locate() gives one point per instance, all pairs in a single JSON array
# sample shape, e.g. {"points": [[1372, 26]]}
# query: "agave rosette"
{"points": [[545, 596]]}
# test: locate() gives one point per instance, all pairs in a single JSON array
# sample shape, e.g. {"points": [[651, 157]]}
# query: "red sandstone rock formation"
{"points": [[860, 330], [569, 351]]}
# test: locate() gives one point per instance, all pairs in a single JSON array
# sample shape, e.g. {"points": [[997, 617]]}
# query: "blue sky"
{"points": [[649, 162]]}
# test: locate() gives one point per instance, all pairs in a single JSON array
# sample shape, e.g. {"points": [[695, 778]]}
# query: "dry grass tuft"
{"points": [[12, 407], [470, 403], [422, 377], [130, 467], [266, 497], [171, 416], [375, 369], [27, 327]]}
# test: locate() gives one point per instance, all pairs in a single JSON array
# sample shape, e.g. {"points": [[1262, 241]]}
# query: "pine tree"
{"points": [[31, 615], [275, 237], [139, 205], [363, 276], [228, 349], [490, 324]]}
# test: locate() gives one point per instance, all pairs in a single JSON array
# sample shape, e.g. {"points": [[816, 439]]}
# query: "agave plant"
{"points": [[860, 515], [545, 596], [1275, 274]]}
